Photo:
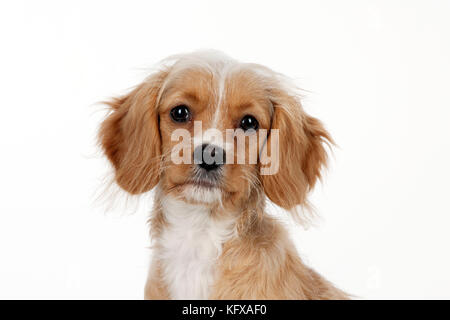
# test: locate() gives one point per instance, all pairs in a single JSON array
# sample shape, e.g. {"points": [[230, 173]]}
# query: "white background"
{"points": [[377, 73]]}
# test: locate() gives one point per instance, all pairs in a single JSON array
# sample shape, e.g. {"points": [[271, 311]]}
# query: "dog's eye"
{"points": [[180, 114], [249, 122]]}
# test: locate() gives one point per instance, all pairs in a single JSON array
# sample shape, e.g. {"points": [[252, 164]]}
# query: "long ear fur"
{"points": [[302, 152], [130, 136]]}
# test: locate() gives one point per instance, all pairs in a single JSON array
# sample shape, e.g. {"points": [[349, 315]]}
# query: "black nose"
{"points": [[209, 157]]}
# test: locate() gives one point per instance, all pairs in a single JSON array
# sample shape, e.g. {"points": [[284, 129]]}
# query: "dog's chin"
{"points": [[202, 193]]}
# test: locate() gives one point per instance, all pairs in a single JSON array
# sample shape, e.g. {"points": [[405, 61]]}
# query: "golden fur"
{"points": [[259, 261]]}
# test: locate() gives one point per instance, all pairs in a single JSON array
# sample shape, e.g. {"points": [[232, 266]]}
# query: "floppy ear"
{"points": [[130, 137], [302, 152]]}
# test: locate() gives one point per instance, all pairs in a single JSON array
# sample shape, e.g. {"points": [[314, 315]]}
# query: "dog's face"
{"points": [[217, 102], [205, 128]]}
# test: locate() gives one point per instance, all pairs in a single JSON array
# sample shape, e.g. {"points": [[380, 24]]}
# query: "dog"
{"points": [[212, 238]]}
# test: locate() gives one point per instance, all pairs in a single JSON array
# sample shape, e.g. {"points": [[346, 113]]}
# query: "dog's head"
{"points": [[210, 130]]}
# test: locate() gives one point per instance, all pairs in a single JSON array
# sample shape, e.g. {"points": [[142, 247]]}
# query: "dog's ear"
{"points": [[130, 136], [302, 153]]}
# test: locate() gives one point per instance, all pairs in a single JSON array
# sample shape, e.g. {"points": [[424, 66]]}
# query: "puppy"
{"points": [[212, 238]]}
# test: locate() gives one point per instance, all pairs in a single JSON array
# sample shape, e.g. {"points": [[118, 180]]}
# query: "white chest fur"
{"points": [[189, 248]]}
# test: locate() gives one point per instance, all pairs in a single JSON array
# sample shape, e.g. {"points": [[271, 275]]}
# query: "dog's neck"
{"points": [[189, 246]]}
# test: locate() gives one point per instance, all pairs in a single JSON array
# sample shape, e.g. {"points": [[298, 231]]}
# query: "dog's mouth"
{"points": [[203, 179], [202, 184], [201, 191]]}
